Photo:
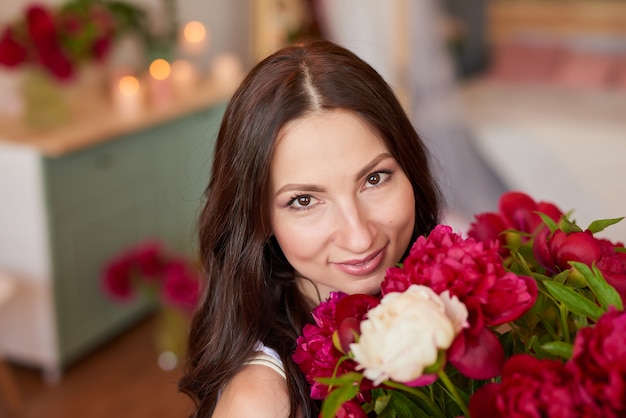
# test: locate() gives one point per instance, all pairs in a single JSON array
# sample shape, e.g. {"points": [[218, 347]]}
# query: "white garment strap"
{"points": [[267, 360]]}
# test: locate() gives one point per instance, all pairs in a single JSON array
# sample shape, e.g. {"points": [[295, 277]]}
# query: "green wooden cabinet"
{"points": [[98, 201]]}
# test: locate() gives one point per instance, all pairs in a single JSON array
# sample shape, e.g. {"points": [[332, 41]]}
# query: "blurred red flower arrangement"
{"points": [[58, 39], [524, 317], [149, 269]]}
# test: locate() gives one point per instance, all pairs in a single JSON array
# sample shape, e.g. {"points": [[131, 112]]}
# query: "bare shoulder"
{"points": [[255, 391]]}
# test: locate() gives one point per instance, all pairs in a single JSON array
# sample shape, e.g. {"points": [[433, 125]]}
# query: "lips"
{"points": [[362, 266]]}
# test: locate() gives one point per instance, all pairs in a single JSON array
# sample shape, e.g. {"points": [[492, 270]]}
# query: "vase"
{"points": [[44, 98], [172, 329]]}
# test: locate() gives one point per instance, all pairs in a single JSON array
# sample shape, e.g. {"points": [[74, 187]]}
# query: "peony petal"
{"points": [[483, 403], [477, 356]]}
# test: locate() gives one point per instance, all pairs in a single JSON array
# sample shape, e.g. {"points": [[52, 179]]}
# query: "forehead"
{"points": [[332, 130], [322, 146]]}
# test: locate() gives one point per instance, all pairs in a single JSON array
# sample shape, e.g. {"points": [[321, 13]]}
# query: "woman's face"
{"points": [[342, 208]]}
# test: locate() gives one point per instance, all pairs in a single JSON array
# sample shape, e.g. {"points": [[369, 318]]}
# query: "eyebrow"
{"points": [[314, 188], [369, 167]]}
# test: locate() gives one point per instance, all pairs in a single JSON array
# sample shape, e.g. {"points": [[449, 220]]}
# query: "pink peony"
{"points": [[599, 363], [530, 388]]}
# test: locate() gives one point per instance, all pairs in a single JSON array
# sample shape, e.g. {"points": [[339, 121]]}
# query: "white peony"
{"points": [[404, 334]]}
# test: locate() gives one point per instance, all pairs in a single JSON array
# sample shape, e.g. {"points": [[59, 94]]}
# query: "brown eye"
{"points": [[373, 178], [304, 200]]}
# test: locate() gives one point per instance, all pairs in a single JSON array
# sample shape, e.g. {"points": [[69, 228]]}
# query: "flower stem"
{"points": [[455, 393]]}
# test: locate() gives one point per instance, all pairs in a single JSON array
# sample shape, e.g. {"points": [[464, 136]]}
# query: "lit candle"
{"points": [[127, 95], [184, 76], [159, 82], [194, 39]]}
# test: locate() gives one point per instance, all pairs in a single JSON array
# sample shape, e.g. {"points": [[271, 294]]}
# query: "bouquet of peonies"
{"points": [[149, 268], [524, 317]]}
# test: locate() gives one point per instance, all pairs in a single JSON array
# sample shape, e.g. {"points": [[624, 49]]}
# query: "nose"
{"points": [[354, 231]]}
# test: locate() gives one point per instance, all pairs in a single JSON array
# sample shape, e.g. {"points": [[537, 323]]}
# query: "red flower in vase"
{"points": [[12, 53], [148, 266], [57, 40], [181, 286]]}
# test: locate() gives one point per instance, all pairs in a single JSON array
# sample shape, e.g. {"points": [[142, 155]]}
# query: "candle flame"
{"points": [[129, 85], [194, 32], [160, 69]]}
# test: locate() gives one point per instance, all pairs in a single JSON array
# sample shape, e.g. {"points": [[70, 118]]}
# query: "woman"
{"points": [[319, 184]]}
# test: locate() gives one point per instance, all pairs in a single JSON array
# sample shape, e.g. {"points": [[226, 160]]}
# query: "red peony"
{"points": [[599, 363], [517, 211], [473, 272], [530, 388], [554, 252], [349, 313], [315, 354], [488, 227], [350, 409]]}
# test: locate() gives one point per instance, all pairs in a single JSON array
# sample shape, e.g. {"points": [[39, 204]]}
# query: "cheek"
{"points": [[299, 242], [400, 212]]}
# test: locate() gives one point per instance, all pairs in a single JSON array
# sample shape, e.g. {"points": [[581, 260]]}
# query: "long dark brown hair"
{"points": [[250, 293]]}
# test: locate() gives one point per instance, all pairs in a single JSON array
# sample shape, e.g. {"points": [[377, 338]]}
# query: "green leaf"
{"points": [[404, 406], [601, 224], [548, 221], [561, 277], [568, 226], [336, 398], [559, 349], [381, 403], [345, 379], [525, 270], [573, 301], [604, 292]]}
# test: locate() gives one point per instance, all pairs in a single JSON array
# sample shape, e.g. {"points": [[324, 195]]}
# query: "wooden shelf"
{"points": [[98, 121]]}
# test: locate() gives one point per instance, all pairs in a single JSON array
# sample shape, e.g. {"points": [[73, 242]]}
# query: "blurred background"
{"points": [[108, 115]]}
